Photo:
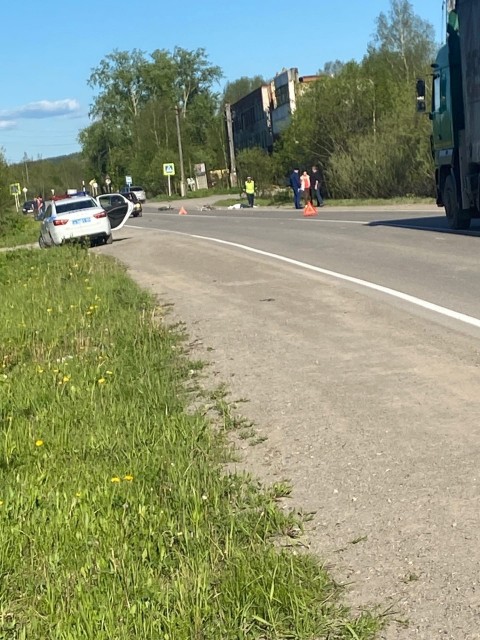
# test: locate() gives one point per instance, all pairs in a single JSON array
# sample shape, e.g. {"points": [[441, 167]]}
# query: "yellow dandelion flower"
{"points": [[101, 381], [1, 503], [66, 378], [89, 313], [115, 479], [128, 477], [78, 494], [49, 310], [40, 370], [109, 373], [91, 307], [39, 443]]}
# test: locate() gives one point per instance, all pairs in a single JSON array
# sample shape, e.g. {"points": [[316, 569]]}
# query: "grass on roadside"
{"points": [[117, 519], [17, 228], [284, 202]]}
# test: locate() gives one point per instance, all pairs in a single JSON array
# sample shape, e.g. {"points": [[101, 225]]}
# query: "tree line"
{"points": [[357, 122]]}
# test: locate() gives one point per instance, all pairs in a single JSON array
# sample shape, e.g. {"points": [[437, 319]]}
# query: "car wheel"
{"points": [[41, 242]]}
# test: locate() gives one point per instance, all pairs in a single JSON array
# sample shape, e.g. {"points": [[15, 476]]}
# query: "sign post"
{"points": [[15, 191], [169, 170], [128, 181]]}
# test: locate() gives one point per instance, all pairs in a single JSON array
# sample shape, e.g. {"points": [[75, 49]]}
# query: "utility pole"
{"points": [[25, 158], [233, 167], [180, 153]]}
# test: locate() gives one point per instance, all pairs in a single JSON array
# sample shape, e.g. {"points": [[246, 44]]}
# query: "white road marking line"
{"points": [[430, 306], [406, 297]]}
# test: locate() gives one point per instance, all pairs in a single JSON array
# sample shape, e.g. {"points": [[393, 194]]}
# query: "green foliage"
{"points": [[16, 228], [135, 130], [360, 124], [237, 89], [257, 164], [41, 176], [4, 181]]}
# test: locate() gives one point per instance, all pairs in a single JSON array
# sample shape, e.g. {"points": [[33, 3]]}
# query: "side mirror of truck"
{"points": [[421, 102]]}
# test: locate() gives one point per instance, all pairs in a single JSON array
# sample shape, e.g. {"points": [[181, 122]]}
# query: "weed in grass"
{"points": [[280, 490], [117, 519]]}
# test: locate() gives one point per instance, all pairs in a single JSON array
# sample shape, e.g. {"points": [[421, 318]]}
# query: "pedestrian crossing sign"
{"points": [[169, 169]]}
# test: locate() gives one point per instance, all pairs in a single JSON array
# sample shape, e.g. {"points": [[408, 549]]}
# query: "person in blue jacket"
{"points": [[295, 185]]}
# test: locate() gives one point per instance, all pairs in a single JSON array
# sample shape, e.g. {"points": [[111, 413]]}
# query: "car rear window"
{"points": [[75, 205]]}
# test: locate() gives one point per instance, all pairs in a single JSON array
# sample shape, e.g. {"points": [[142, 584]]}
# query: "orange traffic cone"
{"points": [[182, 212], [309, 210]]}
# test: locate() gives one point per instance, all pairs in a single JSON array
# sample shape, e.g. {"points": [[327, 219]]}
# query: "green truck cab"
{"points": [[455, 115]]}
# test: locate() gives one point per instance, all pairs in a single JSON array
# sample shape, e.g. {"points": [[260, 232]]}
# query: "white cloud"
{"points": [[41, 109], [7, 124]]}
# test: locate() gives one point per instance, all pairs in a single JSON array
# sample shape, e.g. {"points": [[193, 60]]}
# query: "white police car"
{"points": [[81, 217]]}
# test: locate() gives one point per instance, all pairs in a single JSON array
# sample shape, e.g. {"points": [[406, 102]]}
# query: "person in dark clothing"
{"points": [[295, 184], [315, 185]]}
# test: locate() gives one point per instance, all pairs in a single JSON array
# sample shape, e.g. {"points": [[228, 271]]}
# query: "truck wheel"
{"points": [[456, 218]]}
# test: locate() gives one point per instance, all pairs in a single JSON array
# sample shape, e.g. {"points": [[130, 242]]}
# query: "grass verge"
{"points": [[282, 202], [117, 519], [17, 229]]}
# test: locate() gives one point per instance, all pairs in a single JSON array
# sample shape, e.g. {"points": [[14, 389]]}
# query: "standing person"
{"points": [[295, 184], [250, 191], [38, 204], [305, 188], [316, 183]]}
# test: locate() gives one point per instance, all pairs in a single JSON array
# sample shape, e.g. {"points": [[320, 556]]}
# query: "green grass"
{"points": [[366, 202], [17, 228], [281, 201], [117, 519]]}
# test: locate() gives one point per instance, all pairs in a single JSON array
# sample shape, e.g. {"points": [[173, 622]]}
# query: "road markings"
{"points": [[406, 297]]}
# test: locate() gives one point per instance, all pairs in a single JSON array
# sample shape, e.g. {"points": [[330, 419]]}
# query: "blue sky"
{"points": [[48, 49]]}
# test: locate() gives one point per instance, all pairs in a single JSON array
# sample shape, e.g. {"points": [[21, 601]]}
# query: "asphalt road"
{"points": [[355, 336]]}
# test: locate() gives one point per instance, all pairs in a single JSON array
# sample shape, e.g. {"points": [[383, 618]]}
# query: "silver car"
{"points": [[138, 191]]}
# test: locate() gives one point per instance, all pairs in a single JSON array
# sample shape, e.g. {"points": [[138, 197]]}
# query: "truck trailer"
{"points": [[455, 115]]}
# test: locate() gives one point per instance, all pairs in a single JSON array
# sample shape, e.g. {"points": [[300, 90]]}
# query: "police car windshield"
{"points": [[76, 205]]}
